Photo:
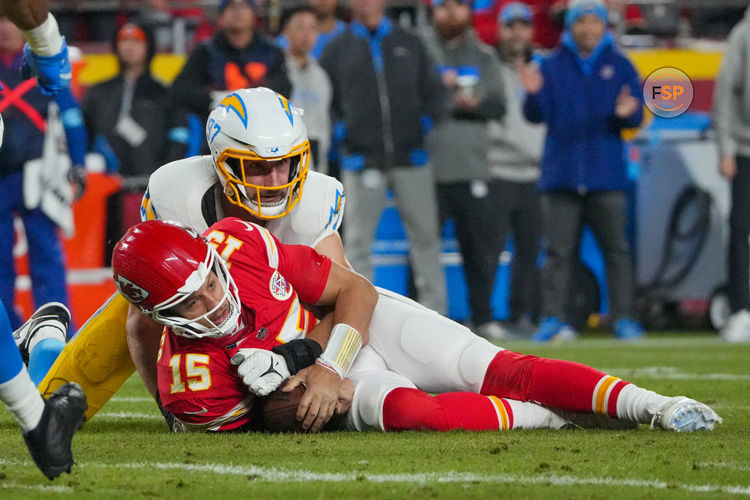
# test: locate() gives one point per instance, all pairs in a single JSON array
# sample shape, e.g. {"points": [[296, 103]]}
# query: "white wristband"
{"points": [[342, 348], [45, 39]]}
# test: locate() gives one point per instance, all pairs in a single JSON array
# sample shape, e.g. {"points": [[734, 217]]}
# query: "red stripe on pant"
{"points": [[612, 402], [560, 384], [411, 409]]}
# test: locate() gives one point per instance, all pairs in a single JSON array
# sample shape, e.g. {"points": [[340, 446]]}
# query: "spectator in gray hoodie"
{"points": [[458, 147], [515, 154], [731, 115]]}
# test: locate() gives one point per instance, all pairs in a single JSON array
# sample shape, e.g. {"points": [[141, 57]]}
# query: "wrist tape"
{"points": [[299, 353], [45, 39], [342, 348]]}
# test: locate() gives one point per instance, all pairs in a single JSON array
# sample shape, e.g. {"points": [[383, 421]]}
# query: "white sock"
{"points": [[45, 39], [47, 332], [638, 405], [532, 416], [23, 400]]}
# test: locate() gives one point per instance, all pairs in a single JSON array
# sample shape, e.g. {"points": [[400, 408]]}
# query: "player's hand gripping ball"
{"points": [[278, 412]]}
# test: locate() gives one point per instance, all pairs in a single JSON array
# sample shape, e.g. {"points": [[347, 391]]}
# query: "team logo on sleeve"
{"points": [[130, 290], [280, 287]]}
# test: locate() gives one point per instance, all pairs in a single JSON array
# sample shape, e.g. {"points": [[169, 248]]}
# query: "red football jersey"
{"points": [[197, 382]]}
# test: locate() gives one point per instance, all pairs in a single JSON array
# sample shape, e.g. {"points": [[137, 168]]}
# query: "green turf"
{"points": [[126, 452]]}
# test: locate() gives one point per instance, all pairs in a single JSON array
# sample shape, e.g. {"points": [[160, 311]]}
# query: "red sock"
{"points": [[412, 409], [556, 383]]}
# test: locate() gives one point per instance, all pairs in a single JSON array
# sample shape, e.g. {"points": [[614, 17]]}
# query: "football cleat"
{"points": [[51, 314], [681, 414], [49, 442]]}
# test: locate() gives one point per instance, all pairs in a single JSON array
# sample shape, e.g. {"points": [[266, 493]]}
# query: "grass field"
{"points": [[126, 451]]}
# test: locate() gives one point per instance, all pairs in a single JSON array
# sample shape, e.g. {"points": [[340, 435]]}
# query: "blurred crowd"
{"points": [[506, 117]]}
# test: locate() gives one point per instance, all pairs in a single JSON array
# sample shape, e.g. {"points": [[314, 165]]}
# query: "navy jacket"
{"points": [[217, 65], [583, 149], [383, 84]]}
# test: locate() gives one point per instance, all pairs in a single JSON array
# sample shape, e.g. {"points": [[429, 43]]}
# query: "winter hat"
{"points": [[515, 11], [578, 8]]}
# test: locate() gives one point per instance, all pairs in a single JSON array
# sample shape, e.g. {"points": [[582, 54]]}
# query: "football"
{"points": [[278, 412]]}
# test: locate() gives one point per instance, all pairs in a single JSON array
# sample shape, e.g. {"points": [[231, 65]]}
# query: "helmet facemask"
{"points": [[195, 328], [231, 167]]}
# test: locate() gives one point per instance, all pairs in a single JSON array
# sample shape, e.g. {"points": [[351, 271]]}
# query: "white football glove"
{"points": [[262, 371]]}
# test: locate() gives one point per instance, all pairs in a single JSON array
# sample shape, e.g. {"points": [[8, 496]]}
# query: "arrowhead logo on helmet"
{"points": [[133, 292]]}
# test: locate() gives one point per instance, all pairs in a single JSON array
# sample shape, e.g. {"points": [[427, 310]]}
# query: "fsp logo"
{"points": [[668, 92]]}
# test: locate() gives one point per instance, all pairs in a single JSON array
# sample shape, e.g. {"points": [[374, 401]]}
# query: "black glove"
{"points": [[77, 177]]}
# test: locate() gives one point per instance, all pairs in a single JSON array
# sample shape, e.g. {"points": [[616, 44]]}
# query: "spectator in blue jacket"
{"points": [[24, 109], [585, 92]]}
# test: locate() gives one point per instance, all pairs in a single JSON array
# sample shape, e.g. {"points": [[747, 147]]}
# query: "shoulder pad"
{"points": [[317, 215], [175, 191], [320, 209]]}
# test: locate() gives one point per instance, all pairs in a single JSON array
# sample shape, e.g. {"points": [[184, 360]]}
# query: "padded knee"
{"points": [[450, 356]]}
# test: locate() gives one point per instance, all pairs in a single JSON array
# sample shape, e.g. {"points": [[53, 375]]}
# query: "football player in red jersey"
{"points": [[176, 278]]}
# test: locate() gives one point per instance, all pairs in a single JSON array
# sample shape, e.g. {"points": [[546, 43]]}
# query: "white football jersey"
{"points": [[189, 192]]}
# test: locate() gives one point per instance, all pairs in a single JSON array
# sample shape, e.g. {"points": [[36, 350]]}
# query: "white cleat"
{"points": [[681, 414], [49, 321], [737, 329]]}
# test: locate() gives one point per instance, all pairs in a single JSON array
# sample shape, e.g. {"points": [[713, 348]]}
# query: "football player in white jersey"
{"points": [[258, 171]]}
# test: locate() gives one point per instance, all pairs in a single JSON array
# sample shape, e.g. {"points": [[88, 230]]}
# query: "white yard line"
{"points": [[118, 399], [128, 415], [302, 476], [724, 465], [672, 373], [273, 475], [37, 487]]}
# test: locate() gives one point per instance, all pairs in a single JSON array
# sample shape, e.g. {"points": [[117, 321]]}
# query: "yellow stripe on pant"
{"points": [[97, 358]]}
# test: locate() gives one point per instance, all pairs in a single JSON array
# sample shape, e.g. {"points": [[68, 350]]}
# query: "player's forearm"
{"points": [[322, 331], [26, 14], [355, 304], [144, 336]]}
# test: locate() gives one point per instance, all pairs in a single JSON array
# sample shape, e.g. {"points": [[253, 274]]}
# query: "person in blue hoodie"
{"points": [[585, 92]]}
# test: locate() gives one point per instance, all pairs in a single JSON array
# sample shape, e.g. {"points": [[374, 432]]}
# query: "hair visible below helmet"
{"points": [[159, 264], [258, 125]]}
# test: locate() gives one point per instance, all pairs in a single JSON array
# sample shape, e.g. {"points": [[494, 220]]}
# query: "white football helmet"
{"points": [[252, 125]]}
